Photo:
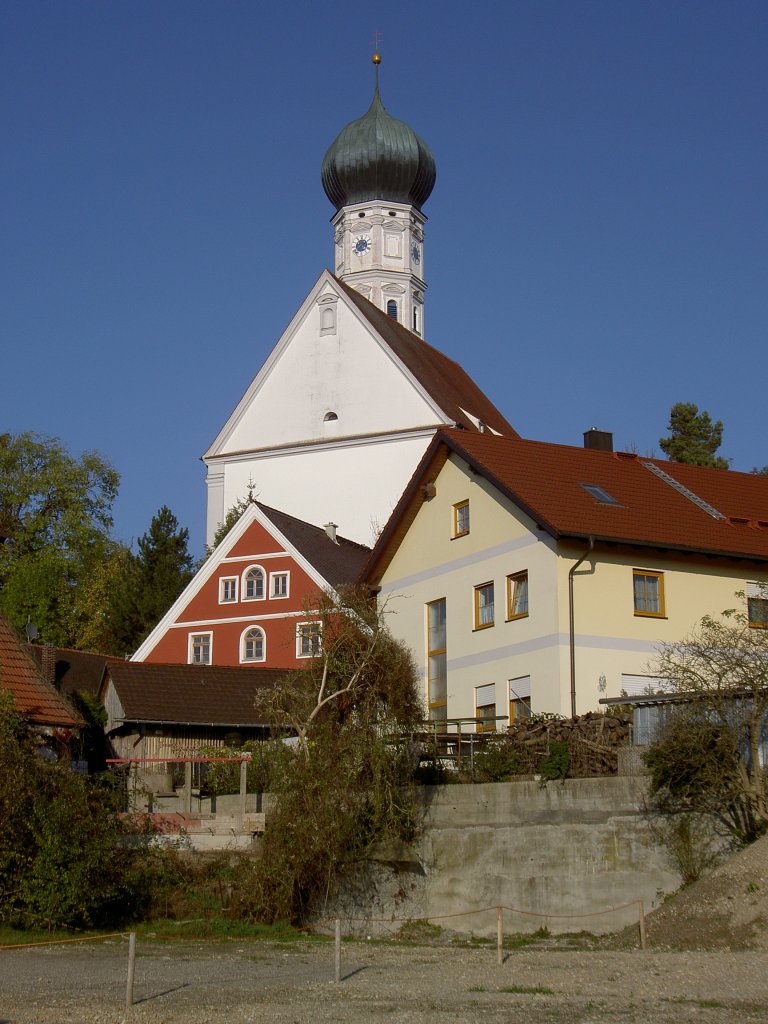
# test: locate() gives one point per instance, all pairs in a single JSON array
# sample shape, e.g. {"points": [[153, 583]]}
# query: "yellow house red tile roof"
{"points": [[667, 505], [36, 700]]}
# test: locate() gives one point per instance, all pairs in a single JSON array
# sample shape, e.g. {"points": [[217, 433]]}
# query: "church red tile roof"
{"points": [[449, 386], [667, 505], [36, 700]]}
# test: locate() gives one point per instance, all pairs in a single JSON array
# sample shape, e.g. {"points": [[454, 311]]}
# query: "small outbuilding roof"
{"points": [[36, 700], [204, 695]]}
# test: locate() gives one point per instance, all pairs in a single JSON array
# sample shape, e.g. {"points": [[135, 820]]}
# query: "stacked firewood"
{"points": [[592, 741]]}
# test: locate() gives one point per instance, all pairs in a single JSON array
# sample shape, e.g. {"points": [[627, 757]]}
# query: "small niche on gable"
{"points": [[327, 306]]}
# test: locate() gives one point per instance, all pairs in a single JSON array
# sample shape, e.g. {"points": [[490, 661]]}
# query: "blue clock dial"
{"points": [[361, 245]]}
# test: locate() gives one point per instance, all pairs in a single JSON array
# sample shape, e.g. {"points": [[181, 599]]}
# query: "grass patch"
{"points": [[210, 929], [419, 931]]}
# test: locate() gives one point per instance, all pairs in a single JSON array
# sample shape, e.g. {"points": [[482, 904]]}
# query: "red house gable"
{"points": [[247, 604]]}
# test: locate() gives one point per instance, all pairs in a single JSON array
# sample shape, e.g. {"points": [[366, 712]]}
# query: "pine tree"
{"points": [[694, 438], [153, 579]]}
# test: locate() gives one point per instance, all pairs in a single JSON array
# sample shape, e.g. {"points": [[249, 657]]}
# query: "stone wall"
{"points": [[571, 848]]}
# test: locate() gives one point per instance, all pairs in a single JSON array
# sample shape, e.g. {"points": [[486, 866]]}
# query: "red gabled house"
{"points": [[250, 601]]}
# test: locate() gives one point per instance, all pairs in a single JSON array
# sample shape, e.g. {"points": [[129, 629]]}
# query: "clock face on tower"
{"points": [[361, 245], [415, 253]]}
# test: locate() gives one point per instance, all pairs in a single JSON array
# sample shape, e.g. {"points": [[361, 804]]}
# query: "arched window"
{"points": [[254, 645], [392, 309], [253, 584], [329, 417]]}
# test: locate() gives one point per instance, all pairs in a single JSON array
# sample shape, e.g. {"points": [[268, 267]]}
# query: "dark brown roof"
{"points": [[36, 700], [74, 671], [546, 481], [338, 564], [444, 380], [189, 694]]}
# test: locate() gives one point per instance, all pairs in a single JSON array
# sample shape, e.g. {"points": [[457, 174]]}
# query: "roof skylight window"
{"points": [[600, 494]]}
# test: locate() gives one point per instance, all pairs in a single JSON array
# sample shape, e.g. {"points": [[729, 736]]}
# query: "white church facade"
{"points": [[338, 417]]}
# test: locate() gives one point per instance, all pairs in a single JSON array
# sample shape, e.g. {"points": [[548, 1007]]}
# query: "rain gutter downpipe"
{"points": [[571, 572]]}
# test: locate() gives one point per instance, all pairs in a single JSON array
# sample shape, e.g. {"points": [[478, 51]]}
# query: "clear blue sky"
{"points": [[597, 238]]}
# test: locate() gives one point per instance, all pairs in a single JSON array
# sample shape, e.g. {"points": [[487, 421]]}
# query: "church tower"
{"points": [[378, 174]]}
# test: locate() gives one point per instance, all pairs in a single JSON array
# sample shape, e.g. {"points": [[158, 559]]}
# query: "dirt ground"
{"points": [[706, 962], [238, 983]]}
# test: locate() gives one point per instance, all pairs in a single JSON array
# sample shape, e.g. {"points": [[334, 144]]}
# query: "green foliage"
{"points": [[56, 510], [497, 761], [266, 765], [345, 786], [61, 859], [557, 762], [151, 581], [693, 438]]}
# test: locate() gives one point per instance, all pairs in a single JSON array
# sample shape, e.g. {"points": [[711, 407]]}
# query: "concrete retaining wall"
{"points": [[570, 848]]}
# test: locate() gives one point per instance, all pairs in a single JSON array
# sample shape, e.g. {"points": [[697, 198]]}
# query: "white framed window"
{"points": [[253, 583], [200, 648], [279, 584], [253, 644], [227, 589], [308, 640]]}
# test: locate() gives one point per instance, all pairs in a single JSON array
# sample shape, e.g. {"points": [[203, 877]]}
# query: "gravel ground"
{"points": [[196, 983]]}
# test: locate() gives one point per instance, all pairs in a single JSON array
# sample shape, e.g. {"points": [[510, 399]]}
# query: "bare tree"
{"points": [[357, 670], [708, 758]]}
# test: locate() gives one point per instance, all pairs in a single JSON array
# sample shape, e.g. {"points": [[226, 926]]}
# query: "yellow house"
{"points": [[533, 577]]}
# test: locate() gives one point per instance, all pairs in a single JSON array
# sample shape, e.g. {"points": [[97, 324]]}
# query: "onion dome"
{"points": [[378, 157]]}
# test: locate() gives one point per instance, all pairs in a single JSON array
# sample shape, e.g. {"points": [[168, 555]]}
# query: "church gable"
{"points": [[330, 375]]}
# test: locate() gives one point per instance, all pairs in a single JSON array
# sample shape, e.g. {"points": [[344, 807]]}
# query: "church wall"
{"points": [[353, 484], [345, 372]]}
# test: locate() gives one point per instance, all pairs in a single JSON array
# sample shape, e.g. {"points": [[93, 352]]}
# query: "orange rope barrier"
{"points": [[61, 942]]}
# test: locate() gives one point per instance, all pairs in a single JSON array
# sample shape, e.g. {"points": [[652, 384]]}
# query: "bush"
{"points": [[497, 761], [61, 859], [557, 762]]}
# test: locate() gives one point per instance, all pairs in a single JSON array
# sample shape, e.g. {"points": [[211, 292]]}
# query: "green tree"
{"points": [[345, 787], [151, 581], [61, 860], [693, 438], [56, 516], [707, 760]]}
